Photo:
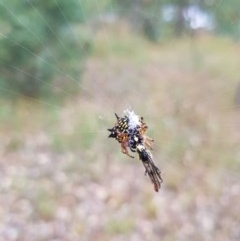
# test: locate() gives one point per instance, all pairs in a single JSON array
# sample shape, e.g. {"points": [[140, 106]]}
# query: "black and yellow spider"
{"points": [[121, 132], [131, 133]]}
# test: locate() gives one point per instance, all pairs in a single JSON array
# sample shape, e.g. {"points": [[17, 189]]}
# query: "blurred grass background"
{"points": [[61, 178]]}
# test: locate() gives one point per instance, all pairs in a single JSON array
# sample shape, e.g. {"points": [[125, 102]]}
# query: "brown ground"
{"points": [[62, 179]]}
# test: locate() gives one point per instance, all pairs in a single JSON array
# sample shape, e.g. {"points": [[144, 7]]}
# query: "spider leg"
{"points": [[148, 145], [125, 150], [149, 139], [148, 142], [124, 145]]}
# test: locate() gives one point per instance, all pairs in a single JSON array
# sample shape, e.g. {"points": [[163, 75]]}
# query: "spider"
{"points": [[134, 139], [130, 132], [130, 137]]}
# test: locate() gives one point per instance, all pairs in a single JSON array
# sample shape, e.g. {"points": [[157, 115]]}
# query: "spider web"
{"points": [[196, 147]]}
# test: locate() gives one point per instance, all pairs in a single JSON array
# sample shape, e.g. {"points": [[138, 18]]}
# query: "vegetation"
{"points": [[168, 18], [62, 178], [39, 44], [63, 171], [43, 41]]}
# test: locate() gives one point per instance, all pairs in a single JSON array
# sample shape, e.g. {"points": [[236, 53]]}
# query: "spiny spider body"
{"points": [[130, 132]]}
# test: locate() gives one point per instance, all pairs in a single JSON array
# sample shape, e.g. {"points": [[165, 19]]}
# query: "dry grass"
{"points": [[62, 179]]}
